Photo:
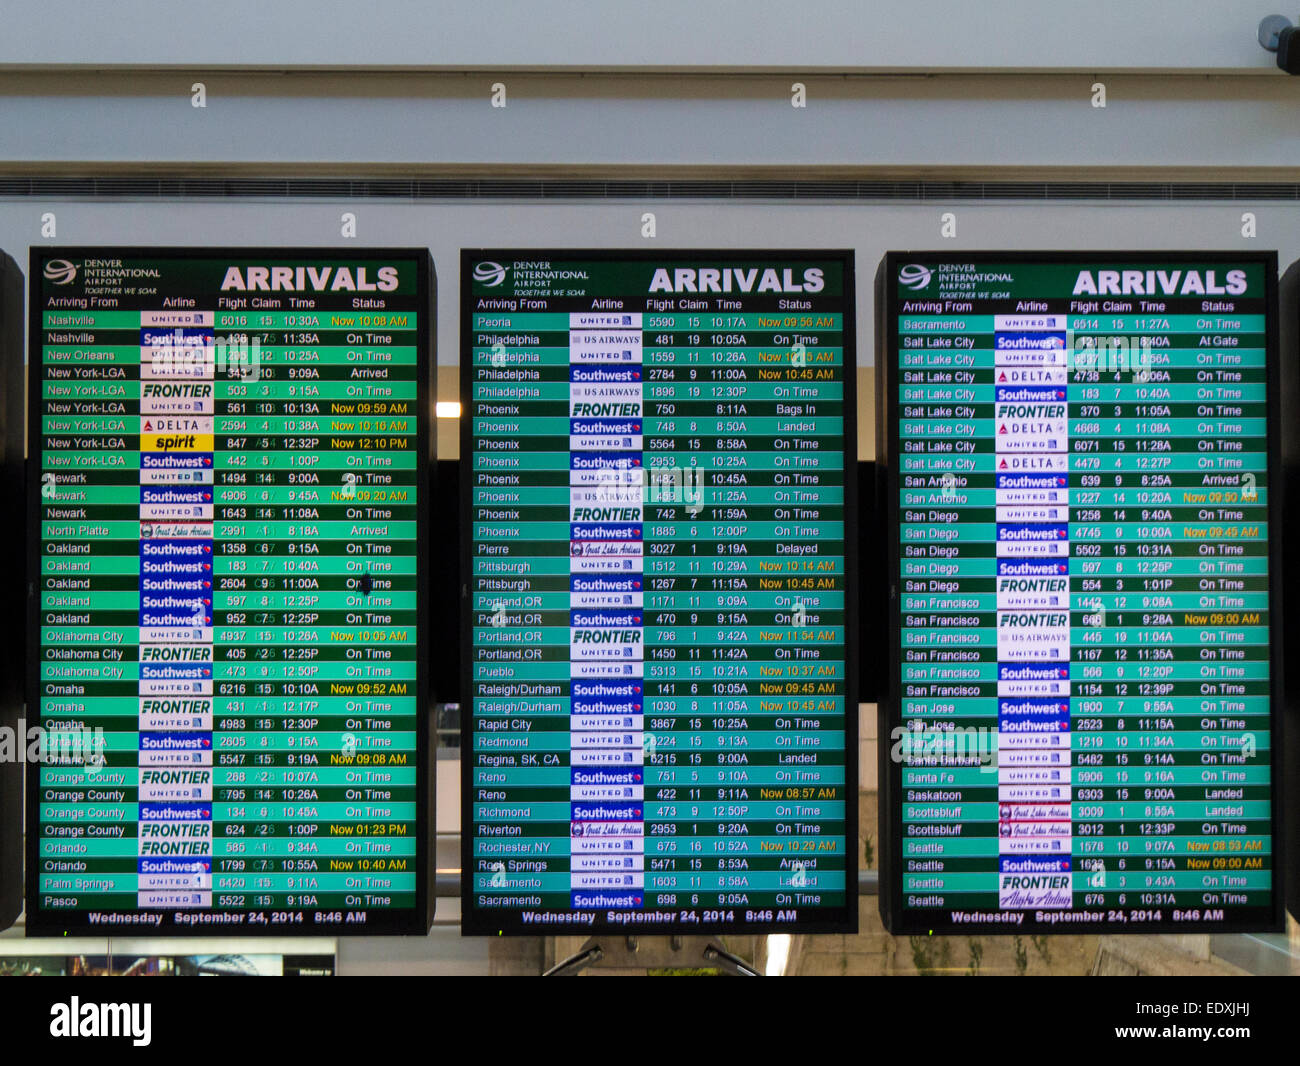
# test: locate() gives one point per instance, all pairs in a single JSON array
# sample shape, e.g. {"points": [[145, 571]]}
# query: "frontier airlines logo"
{"points": [[914, 276], [60, 271], [489, 273]]}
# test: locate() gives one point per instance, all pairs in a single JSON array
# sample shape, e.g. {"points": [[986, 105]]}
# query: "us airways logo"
{"points": [[489, 273], [914, 276], [113, 1020], [60, 271]]}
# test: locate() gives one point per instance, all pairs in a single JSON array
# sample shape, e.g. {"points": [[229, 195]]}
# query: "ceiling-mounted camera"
{"points": [[1276, 34]]}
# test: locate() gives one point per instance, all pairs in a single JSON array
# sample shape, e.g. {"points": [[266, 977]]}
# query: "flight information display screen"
{"points": [[229, 451], [1079, 456], [659, 591]]}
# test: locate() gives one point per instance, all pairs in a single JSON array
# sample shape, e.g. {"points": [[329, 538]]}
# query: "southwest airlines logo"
{"points": [[60, 271], [914, 276], [489, 273]]}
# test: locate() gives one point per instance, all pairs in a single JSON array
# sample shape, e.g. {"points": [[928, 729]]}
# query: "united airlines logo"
{"points": [[914, 276], [60, 271], [489, 273]]}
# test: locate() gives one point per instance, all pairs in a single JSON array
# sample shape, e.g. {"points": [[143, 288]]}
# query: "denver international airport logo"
{"points": [[914, 276], [60, 271], [489, 273]]}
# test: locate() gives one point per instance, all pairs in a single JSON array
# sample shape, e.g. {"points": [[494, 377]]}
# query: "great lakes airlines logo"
{"points": [[60, 271], [914, 276], [489, 273]]}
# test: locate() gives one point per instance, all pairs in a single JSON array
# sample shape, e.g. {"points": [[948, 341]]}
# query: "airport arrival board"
{"points": [[659, 609], [229, 450], [1079, 455]]}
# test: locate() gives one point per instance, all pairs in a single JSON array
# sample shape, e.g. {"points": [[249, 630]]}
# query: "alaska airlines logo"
{"points": [[489, 273], [60, 271], [914, 276]]}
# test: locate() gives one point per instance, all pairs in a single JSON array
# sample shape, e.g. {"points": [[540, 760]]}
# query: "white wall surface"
{"points": [[835, 35], [651, 125]]}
